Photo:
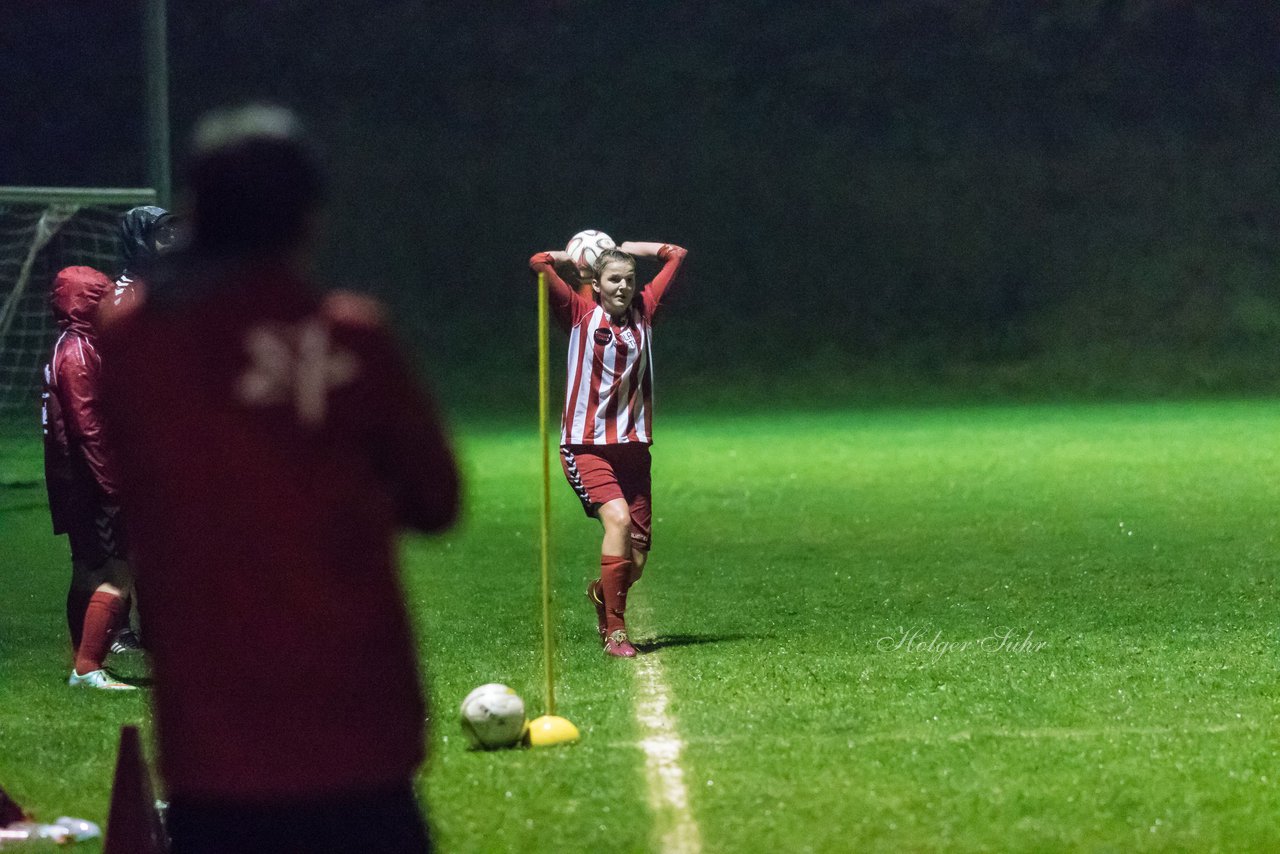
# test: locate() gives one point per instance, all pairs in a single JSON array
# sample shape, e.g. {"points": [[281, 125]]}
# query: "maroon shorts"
{"points": [[96, 534], [601, 473]]}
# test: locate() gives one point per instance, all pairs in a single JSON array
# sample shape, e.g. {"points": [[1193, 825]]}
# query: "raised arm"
{"points": [[641, 249], [670, 255], [566, 305]]}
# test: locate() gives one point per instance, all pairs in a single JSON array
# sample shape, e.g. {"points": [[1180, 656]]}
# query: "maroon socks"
{"points": [[615, 579], [101, 618]]}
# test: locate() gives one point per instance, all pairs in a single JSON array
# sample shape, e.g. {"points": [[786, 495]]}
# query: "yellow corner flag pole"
{"points": [[544, 392], [548, 730]]}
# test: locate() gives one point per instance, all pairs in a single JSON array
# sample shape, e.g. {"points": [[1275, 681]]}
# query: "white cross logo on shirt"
{"points": [[294, 364]]}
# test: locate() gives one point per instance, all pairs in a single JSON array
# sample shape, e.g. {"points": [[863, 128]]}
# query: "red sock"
{"points": [[77, 602], [615, 577], [99, 620]]}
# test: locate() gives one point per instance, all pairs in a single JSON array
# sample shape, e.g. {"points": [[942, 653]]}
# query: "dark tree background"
{"points": [[1000, 197]]}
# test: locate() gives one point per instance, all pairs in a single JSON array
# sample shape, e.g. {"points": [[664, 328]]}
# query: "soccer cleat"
{"points": [[126, 642], [98, 679], [596, 595], [618, 646]]}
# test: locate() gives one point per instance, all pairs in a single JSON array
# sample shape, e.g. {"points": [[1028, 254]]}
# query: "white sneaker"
{"points": [[99, 679]]}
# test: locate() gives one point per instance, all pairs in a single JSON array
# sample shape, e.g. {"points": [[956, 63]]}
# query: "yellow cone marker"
{"points": [[551, 730]]}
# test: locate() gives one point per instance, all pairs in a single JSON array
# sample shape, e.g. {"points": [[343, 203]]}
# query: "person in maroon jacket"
{"points": [[84, 496], [272, 441]]}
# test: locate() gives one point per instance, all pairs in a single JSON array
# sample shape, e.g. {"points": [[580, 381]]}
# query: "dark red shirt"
{"points": [[271, 441]]}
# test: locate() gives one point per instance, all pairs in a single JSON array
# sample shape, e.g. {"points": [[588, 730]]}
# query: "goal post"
{"points": [[42, 230]]}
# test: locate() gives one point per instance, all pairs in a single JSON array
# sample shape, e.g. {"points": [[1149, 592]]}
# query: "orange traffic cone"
{"points": [[133, 825]]}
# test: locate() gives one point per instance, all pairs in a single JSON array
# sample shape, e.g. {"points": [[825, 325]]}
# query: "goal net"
{"points": [[43, 230]]}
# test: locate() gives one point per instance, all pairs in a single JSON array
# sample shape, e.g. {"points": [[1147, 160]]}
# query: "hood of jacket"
{"points": [[75, 296], [136, 249]]}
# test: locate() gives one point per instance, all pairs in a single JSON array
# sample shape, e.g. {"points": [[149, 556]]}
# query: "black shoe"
{"points": [[126, 642]]}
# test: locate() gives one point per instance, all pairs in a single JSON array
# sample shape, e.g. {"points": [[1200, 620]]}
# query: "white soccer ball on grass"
{"points": [[493, 717]]}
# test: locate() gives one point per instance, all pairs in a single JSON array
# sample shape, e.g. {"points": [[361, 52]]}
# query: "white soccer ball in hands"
{"points": [[585, 247], [493, 717]]}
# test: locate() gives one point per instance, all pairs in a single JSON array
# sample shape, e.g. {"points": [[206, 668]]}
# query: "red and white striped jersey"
{"points": [[609, 389]]}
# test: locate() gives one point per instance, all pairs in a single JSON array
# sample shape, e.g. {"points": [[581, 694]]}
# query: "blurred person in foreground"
{"points": [[272, 441]]}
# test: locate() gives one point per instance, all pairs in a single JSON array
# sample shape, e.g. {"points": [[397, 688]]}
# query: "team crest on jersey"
{"points": [[603, 336]]}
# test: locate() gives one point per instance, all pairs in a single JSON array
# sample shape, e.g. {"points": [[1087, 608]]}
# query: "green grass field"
{"points": [[825, 600]]}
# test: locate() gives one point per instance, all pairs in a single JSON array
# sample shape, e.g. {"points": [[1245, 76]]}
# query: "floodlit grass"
{"points": [[57, 746], [827, 596]]}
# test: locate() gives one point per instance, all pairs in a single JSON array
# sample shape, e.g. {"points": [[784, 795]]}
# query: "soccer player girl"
{"points": [[607, 425]]}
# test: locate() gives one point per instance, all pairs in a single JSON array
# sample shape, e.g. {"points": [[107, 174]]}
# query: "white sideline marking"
{"points": [[668, 797]]}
